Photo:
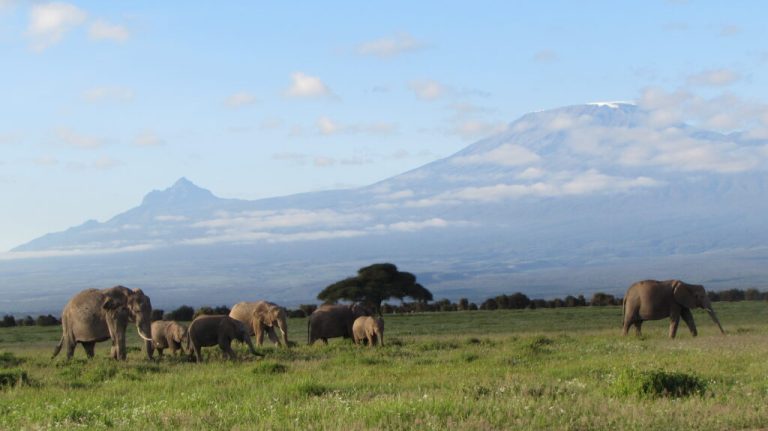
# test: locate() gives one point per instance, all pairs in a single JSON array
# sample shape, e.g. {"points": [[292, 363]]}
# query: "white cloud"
{"points": [[148, 138], [506, 155], [413, 226], [427, 89], [326, 126], [730, 30], [103, 30], [295, 158], [171, 218], [545, 56], [49, 22], [476, 129], [95, 249], [714, 78], [390, 46], [531, 173], [114, 94], [77, 140], [105, 162], [303, 85], [240, 99], [46, 161], [324, 162]]}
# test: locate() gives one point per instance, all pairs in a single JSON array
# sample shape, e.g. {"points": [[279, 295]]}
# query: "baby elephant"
{"points": [[368, 328], [169, 334], [207, 331]]}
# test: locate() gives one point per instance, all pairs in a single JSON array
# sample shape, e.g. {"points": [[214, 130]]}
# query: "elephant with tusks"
{"points": [[94, 315]]}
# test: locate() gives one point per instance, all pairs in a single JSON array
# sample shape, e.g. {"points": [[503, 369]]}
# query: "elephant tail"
{"points": [[57, 349], [623, 308], [309, 330]]}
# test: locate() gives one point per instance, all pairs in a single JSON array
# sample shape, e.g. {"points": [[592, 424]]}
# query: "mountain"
{"points": [[571, 200]]}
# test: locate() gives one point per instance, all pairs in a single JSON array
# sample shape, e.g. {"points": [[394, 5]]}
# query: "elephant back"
{"points": [[84, 317]]}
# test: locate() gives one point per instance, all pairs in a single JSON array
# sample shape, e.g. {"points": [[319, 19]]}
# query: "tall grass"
{"points": [[527, 369]]}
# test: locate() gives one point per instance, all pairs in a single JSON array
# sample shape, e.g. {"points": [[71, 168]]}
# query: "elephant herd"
{"points": [[94, 315]]}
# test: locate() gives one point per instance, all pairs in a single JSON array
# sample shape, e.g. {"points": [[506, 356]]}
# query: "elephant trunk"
{"points": [[713, 315]]}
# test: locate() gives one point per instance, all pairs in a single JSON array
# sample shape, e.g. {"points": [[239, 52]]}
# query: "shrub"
{"points": [[7, 359], [185, 313], [48, 320], [659, 383], [269, 368], [157, 314], [311, 389], [13, 377], [8, 321]]}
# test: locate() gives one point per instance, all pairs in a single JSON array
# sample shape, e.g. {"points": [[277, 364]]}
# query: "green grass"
{"points": [[526, 369]]}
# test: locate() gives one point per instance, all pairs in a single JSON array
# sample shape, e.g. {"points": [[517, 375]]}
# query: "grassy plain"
{"points": [[527, 369]]}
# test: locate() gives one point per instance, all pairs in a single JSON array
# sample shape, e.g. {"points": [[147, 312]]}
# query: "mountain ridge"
{"points": [[583, 186]]}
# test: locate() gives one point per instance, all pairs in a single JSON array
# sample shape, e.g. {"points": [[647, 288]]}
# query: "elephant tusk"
{"points": [[142, 335]]}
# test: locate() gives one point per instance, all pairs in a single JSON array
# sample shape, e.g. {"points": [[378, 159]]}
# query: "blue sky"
{"points": [[104, 101]]}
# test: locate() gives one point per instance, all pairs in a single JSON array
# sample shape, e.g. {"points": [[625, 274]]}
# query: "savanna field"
{"points": [[566, 368]]}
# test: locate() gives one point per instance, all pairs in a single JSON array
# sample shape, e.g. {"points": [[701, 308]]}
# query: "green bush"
{"points": [[269, 368], [311, 389], [13, 377], [659, 383], [7, 359]]}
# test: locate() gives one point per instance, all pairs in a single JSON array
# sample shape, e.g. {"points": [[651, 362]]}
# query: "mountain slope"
{"points": [[607, 187]]}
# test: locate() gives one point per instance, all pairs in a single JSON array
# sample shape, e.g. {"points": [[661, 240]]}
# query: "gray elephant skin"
{"points": [[94, 315], [170, 334], [331, 321], [367, 328], [653, 300], [260, 317], [207, 331]]}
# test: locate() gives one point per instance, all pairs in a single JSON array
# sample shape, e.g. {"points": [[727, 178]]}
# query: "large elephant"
{"points": [[368, 328], [95, 315], [206, 331], [653, 300], [260, 317], [170, 334], [330, 321]]}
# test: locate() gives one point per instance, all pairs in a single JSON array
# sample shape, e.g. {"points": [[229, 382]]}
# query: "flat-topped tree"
{"points": [[374, 284]]}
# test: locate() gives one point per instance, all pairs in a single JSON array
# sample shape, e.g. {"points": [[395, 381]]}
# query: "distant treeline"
{"points": [[517, 300]]}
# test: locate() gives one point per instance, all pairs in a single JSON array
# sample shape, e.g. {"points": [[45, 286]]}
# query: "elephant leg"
{"points": [[272, 336], [325, 340], [674, 321], [70, 348], [627, 324], [160, 352], [88, 347], [259, 333], [638, 328], [687, 316], [198, 354], [226, 347]]}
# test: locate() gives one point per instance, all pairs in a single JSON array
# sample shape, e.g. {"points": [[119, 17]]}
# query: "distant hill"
{"points": [[570, 200]]}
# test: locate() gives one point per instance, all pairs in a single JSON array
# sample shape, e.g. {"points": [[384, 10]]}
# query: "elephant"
{"points": [[260, 317], [653, 300], [330, 321], [95, 315], [212, 330], [170, 334], [368, 328]]}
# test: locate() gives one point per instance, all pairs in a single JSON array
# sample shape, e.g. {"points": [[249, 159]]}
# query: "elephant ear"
{"points": [[110, 304], [683, 294]]}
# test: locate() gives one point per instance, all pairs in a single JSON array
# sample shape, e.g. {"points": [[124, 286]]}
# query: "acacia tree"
{"points": [[374, 284]]}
